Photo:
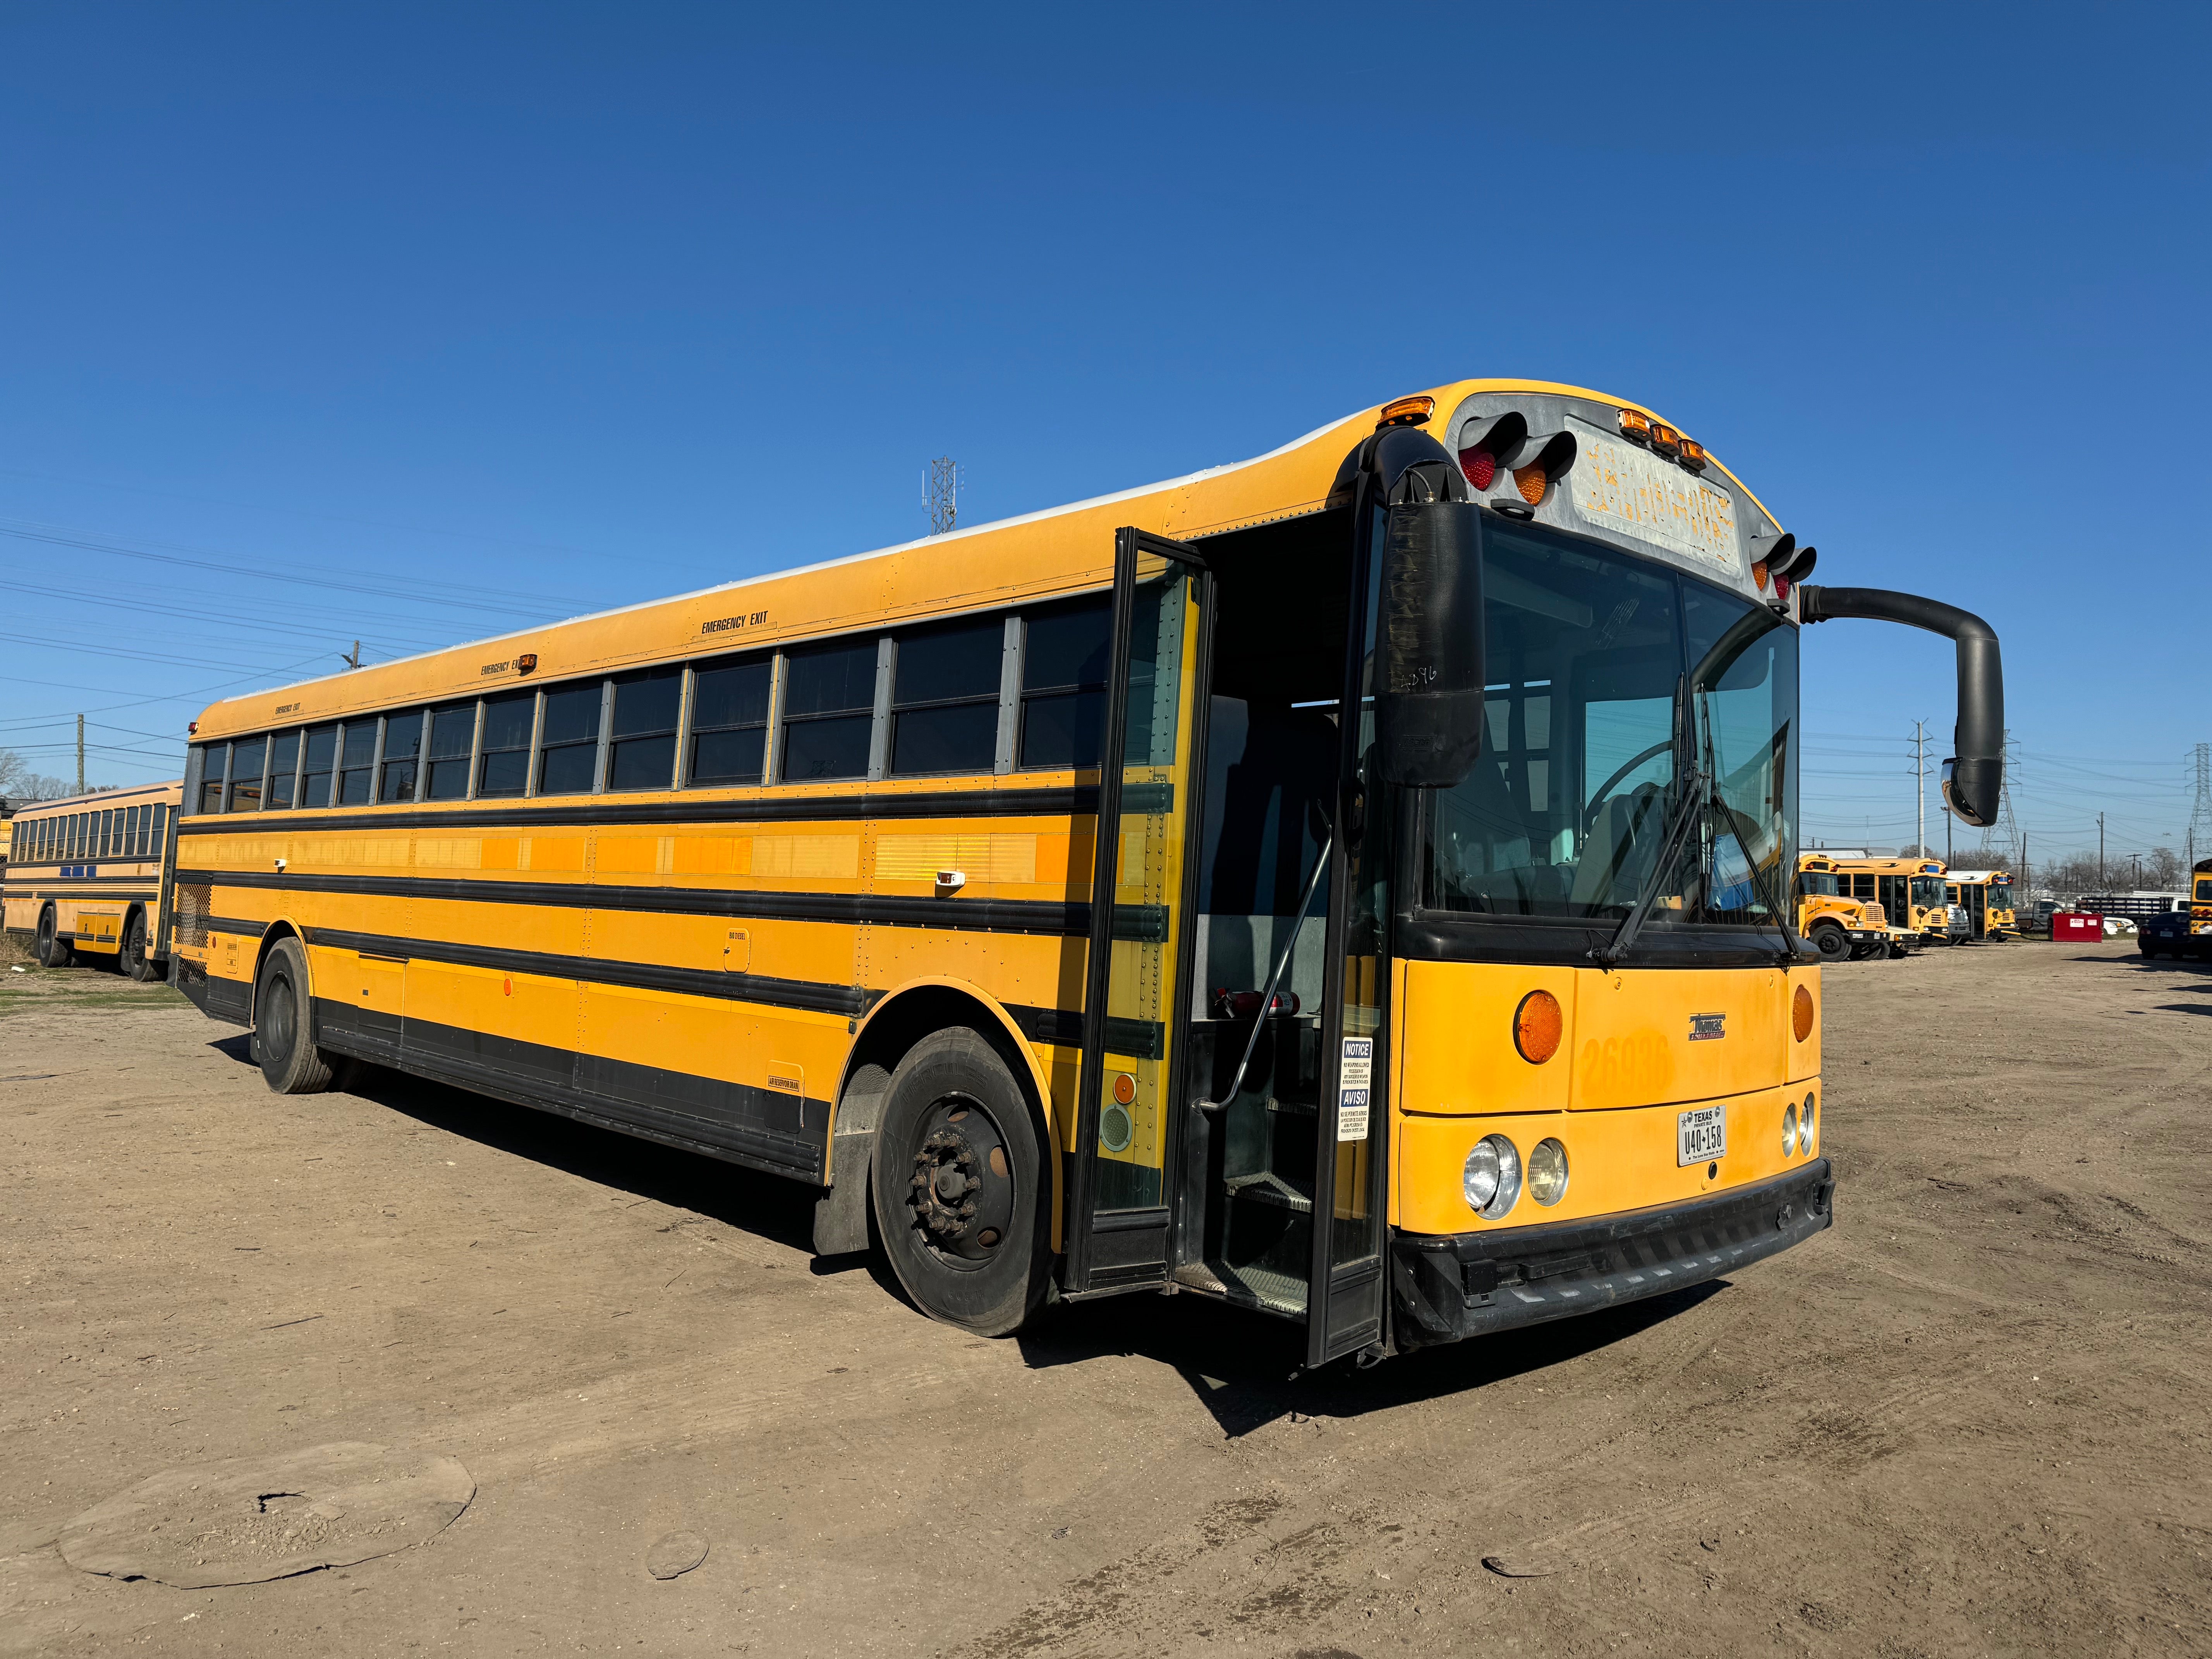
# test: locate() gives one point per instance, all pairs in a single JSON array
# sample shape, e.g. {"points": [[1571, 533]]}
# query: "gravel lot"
{"points": [[1971, 1418]]}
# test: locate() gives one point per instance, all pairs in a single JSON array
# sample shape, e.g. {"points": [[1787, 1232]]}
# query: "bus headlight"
{"points": [[1805, 1126], [1492, 1177], [1789, 1132], [1547, 1172]]}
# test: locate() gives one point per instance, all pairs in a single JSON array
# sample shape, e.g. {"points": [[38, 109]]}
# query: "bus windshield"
{"points": [[2001, 896], [1621, 695], [1928, 890], [1824, 885]]}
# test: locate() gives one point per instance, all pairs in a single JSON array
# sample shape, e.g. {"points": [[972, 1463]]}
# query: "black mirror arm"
{"points": [[1975, 774]]}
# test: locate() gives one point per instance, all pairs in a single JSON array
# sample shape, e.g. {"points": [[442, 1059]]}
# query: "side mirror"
{"points": [[1430, 646]]}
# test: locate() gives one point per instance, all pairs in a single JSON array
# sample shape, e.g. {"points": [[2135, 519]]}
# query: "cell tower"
{"points": [[944, 494], [2001, 840], [2200, 815]]}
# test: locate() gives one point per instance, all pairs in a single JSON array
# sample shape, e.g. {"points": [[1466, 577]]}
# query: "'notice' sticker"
{"points": [[1354, 1079]]}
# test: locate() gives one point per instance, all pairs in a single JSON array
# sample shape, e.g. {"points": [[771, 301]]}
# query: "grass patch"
{"points": [[80, 987]]}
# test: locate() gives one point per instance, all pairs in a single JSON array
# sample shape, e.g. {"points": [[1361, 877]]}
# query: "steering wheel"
{"points": [[1604, 789]]}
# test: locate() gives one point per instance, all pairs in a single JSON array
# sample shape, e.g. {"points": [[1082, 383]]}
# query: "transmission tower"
{"points": [[2000, 840], [2200, 815], [943, 497]]}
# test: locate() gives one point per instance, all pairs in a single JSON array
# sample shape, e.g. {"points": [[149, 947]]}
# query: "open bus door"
{"points": [[1118, 1219]]}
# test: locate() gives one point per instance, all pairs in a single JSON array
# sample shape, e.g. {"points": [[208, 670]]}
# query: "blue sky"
{"points": [[465, 317]]}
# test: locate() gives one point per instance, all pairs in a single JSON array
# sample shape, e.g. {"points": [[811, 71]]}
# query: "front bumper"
{"points": [[1465, 1285]]}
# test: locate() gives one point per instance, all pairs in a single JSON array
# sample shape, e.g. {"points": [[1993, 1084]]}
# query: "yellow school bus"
{"points": [[84, 877], [1837, 927], [1983, 898], [1911, 892], [1393, 831]]}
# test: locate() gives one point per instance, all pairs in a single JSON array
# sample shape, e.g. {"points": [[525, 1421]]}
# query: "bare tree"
{"points": [[18, 782]]}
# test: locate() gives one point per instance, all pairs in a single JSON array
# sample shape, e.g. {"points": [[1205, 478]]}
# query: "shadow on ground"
{"points": [[1247, 1369]]}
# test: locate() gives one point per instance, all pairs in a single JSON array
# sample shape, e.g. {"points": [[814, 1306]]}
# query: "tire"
{"points": [[133, 960], [1832, 945], [979, 1258], [289, 1060], [52, 950]]}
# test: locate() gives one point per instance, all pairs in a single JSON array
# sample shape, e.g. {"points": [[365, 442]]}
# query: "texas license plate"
{"points": [[1700, 1135]]}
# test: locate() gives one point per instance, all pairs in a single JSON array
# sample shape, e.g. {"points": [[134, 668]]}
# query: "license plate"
{"points": [[1701, 1135]]}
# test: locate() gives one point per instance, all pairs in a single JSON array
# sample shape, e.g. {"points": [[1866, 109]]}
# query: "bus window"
{"points": [[452, 734], [161, 847], [568, 762], [1820, 885], [729, 720], [642, 738], [322, 762], [944, 698], [247, 760], [283, 769], [1064, 684], [503, 769], [358, 742], [829, 711], [214, 761], [403, 746]]}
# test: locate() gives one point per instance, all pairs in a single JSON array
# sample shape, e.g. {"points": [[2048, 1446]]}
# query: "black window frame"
{"points": [[847, 714], [763, 662], [646, 739], [993, 625], [486, 749]]}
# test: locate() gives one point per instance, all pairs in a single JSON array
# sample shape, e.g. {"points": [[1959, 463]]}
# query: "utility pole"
{"points": [[2101, 851], [943, 497], [2200, 815], [354, 660], [80, 754], [1920, 788]]}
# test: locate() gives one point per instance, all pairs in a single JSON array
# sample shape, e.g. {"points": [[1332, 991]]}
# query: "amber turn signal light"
{"points": [[1538, 1025], [1801, 1013], [1406, 412]]}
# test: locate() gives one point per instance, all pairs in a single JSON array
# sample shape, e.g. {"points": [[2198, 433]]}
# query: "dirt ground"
{"points": [[1971, 1418]]}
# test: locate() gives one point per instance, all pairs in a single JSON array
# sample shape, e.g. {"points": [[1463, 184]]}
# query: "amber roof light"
{"points": [[1406, 412]]}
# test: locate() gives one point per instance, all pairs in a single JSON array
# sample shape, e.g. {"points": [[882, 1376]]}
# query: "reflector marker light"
{"points": [[1406, 412], [1635, 427], [1694, 455], [1801, 1013], [1538, 1025], [1665, 438]]}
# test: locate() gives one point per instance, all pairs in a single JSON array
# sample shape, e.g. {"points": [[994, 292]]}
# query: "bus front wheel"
{"points": [[1833, 944], [282, 1043], [958, 1186], [52, 951]]}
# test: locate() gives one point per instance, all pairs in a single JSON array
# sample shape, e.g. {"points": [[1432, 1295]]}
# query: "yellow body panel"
{"points": [[1617, 1160]]}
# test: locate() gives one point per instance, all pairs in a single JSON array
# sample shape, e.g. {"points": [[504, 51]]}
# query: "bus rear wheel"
{"points": [[52, 950], [282, 1022], [134, 961], [958, 1186], [1832, 944]]}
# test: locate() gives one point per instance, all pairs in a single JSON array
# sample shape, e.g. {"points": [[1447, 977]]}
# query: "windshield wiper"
{"points": [[1689, 810]]}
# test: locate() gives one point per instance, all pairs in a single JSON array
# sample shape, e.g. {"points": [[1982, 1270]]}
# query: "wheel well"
{"points": [[278, 930], [904, 1019]]}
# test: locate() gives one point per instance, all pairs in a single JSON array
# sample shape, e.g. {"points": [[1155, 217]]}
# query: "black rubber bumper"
{"points": [[1460, 1285]]}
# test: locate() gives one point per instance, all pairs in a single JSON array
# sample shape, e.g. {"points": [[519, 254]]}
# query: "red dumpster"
{"points": [[2075, 925]]}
